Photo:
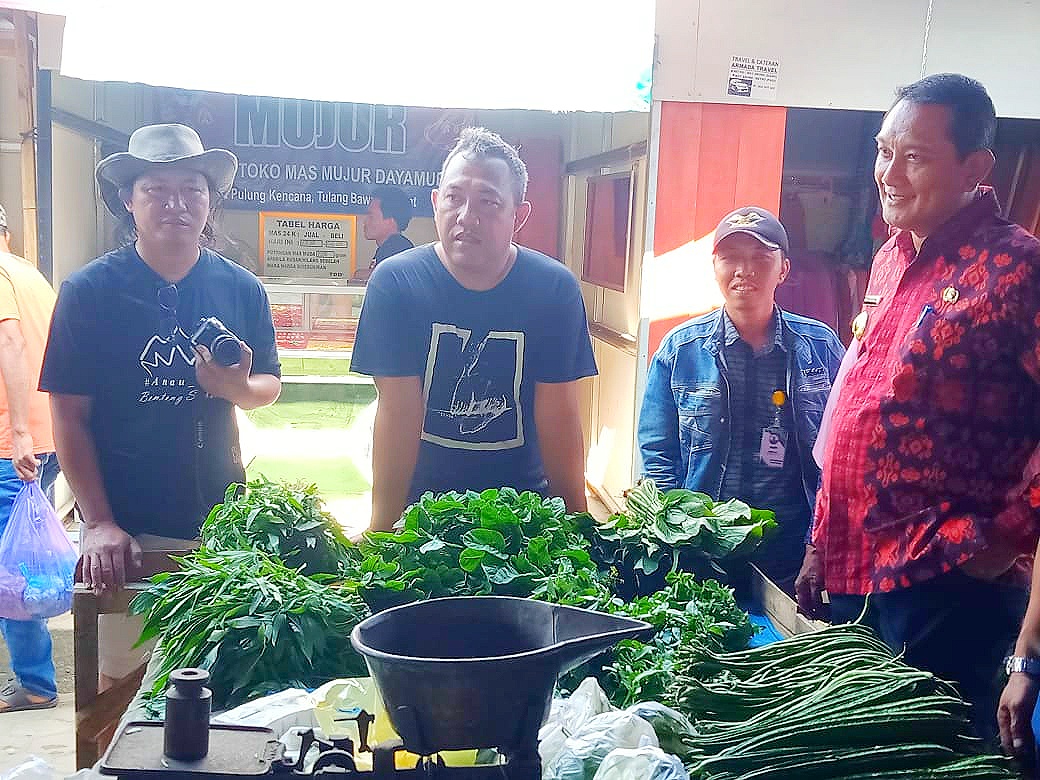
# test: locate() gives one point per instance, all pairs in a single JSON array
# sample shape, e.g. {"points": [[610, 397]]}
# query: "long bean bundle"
{"points": [[823, 706]]}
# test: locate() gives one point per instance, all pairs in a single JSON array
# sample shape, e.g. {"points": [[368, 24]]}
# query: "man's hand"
{"points": [[22, 457], [1015, 713], [106, 552], [809, 584], [228, 382]]}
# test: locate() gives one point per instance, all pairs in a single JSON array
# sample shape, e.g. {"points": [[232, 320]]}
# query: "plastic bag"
{"points": [[646, 763], [37, 561], [567, 716], [669, 725], [584, 751], [33, 768]]}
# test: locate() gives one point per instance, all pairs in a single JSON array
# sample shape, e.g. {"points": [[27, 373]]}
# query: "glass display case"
{"points": [[314, 319]]}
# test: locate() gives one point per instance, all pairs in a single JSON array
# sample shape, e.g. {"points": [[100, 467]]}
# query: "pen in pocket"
{"points": [[924, 313]]}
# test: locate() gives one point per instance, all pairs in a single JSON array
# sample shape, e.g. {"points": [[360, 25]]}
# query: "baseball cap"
{"points": [[753, 221]]}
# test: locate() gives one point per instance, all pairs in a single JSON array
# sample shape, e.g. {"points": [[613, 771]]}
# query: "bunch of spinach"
{"points": [[255, 624], [676, 529], [497, 542], [286, 521], [686, 613]]}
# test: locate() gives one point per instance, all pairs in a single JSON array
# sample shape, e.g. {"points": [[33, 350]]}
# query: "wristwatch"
{"points": [[1017, 663]]}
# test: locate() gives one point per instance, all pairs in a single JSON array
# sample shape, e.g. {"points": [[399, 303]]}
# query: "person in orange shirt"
{"points": [[26, 453]]}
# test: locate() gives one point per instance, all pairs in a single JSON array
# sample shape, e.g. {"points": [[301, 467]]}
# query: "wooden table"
{"points": [[98, 713]]}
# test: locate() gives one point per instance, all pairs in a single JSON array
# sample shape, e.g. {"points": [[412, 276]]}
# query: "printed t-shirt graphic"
{"points": [[169, 370], [472, 387]]}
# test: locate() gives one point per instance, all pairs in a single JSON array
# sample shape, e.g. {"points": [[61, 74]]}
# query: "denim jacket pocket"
{"points": [[697, 407]]}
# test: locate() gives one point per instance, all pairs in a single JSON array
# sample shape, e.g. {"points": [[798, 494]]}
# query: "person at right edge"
{"points": [[926, 501]]}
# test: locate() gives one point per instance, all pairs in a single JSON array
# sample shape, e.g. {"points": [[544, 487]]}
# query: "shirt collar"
{"points": [[731, 336]]}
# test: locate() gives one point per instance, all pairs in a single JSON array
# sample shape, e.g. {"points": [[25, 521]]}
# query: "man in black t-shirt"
{"points": [[476, 345], [144, 420], [388, 215]]}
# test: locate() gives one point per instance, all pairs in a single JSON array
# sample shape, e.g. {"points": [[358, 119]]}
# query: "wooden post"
{"points": [[26, 64]]}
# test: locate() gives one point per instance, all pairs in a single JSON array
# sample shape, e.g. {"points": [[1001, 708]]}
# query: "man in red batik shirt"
{"points": [[923, 501]]}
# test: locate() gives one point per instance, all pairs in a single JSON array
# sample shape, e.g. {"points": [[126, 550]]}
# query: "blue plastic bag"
{"points": [[37, 560]]}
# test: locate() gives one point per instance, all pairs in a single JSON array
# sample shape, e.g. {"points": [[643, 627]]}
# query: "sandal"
{"points": [[14, 698]]}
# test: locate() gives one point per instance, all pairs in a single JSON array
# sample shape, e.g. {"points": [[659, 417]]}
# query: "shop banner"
{"points": [[308, 156]]}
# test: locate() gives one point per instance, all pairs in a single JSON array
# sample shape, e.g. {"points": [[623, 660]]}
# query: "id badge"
{"points": [[773, 447]]}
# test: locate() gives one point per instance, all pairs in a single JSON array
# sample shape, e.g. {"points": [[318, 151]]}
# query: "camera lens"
{"points": [[226, 350]]}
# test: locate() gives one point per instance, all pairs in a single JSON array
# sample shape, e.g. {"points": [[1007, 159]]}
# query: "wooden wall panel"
{"points": [[712, 158]]}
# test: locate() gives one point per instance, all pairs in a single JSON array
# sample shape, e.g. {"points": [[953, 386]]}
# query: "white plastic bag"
{"points": [[670, 726], [584, 751], [567, 716], [33, 768], [278, 712], [646, 763]]}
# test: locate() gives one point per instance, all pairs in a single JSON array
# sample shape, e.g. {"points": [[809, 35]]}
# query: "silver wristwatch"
{"points": [[1017, 663]]}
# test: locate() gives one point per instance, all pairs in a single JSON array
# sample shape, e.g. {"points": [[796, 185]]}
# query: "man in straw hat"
{"points": [[144, 413]]}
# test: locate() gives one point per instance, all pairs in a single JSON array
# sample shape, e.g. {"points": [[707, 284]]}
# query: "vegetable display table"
{"points": [[99, 714]]}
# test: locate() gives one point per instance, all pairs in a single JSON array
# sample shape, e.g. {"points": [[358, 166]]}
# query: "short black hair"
{"points": [[394, 204], [974, 119], [479, 143]]}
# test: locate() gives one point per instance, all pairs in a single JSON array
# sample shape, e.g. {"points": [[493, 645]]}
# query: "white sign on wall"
{"points": [[754, 78], [311, 246]]}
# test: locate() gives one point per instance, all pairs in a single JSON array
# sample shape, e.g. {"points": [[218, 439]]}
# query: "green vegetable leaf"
{"points": [[470, 559]]}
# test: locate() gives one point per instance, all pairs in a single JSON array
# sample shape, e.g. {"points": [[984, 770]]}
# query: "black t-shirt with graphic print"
{"points": [[478, 356], [167, 450]]}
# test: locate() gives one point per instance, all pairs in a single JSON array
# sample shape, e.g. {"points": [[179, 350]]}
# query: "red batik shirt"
{"points": [[940, 413]]}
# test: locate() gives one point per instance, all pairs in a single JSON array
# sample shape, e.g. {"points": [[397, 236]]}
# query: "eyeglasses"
{"points": [[167, 297]]}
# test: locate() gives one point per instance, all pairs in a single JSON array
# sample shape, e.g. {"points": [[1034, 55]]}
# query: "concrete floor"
{"points": [[48, 734]]}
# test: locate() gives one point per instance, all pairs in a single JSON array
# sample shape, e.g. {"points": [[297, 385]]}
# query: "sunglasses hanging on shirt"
{"points": [[168, 324]]}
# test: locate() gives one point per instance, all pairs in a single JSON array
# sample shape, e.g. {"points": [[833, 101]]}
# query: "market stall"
{"points": [[269, 603]]}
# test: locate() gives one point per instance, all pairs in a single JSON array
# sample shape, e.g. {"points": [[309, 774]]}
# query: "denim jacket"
{"points": [[684, 428]]}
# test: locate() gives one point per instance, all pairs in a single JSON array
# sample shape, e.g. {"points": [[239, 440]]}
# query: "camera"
{"points": [[212, 334]]}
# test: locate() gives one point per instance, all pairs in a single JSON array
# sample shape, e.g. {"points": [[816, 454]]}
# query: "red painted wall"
{"points": [[712, 159], [545, 171]]}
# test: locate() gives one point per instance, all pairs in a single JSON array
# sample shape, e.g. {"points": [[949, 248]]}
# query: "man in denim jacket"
{"points": [[734, 398]]}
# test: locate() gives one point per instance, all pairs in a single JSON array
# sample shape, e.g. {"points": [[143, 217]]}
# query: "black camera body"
{"points": [[212, 334]]}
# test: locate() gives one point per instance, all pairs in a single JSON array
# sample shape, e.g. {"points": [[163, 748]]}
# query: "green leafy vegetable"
{"points": [[256, 625], [498, 542], [685, 613], [660, 532], [285, 521]]}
